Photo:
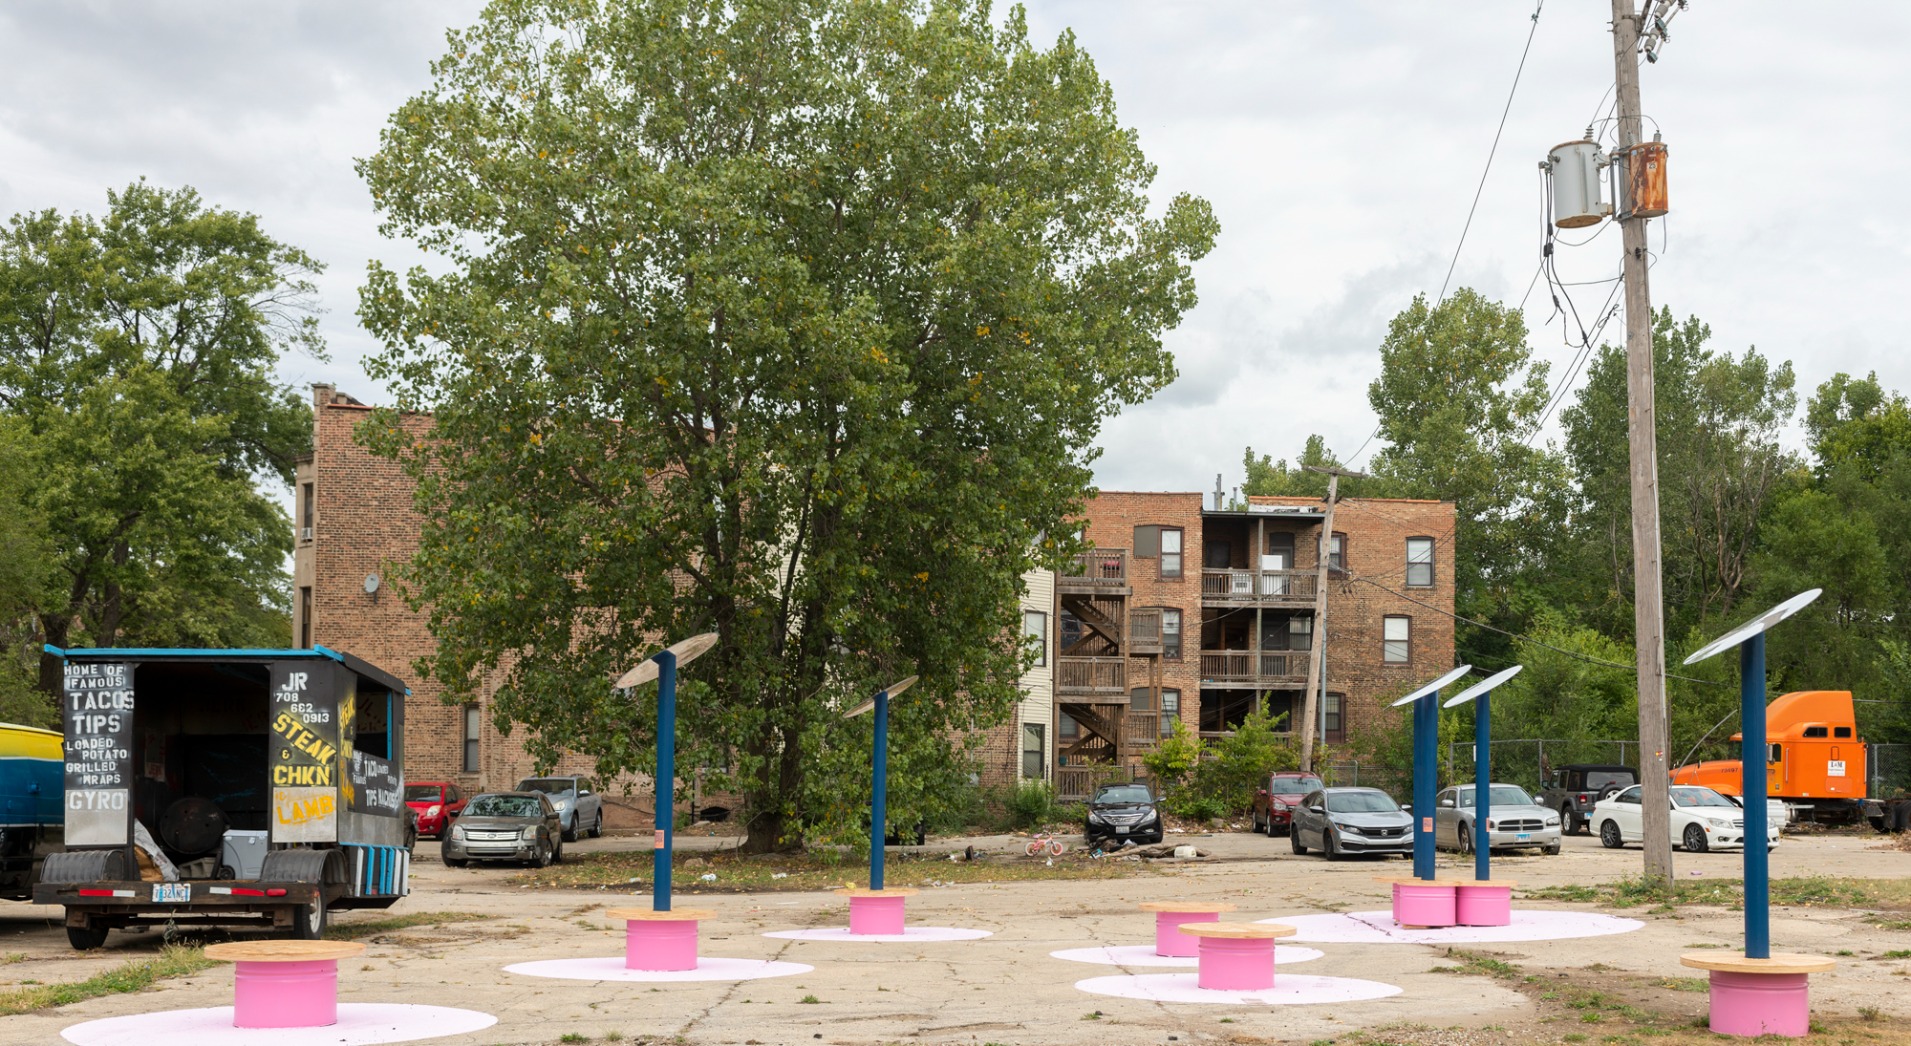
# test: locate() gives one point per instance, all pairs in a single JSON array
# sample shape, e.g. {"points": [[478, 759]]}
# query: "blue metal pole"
{"points": [[1426, 737], [1482, 787], [666, 780], [1758, 895], [878, 792]]}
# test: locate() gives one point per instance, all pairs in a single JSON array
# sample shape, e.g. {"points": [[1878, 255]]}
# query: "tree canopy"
{"points": [[137, 356], [794, 320]]}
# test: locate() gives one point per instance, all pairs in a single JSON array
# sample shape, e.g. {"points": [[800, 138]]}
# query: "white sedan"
{"points": [[1701, 820]]}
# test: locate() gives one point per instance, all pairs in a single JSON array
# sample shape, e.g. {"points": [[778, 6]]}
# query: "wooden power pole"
{"points": [[1642, 437], [1314, 701]]}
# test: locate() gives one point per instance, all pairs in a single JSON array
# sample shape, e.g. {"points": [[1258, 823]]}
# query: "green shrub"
{"points": [[1031, 804], [1175, 760]]}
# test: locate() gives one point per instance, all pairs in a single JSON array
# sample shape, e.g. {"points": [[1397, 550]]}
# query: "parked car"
{"points": [[506, 826], [1275, 800], [1513, 820], [1702, 820], [437, 804], [577, 802], [1123, 813], [1575, 788], [1340, 821]]}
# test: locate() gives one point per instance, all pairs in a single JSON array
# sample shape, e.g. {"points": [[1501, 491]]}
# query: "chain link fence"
{"points": [[1887, 771], [1530, 762], [1393, 780]]}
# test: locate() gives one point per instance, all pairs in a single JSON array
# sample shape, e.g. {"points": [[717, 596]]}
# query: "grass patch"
{"points": [[1479, 963], [352, 931], [172, 961], [763, 873], [1815, 891], [1897, 953]]}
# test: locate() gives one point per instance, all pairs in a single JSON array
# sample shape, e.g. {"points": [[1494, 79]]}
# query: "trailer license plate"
{"points": [[172, 893]]}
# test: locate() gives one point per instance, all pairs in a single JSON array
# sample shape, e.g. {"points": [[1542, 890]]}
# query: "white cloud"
{"points": [[1340, 144]]}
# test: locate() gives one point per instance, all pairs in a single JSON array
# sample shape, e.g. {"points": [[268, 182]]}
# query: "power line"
{"points": [[1477, 192], [1588, 658]]}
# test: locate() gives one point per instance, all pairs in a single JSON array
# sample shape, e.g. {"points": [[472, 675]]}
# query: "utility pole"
{"points": [[1642, 436], [1314, 701]]}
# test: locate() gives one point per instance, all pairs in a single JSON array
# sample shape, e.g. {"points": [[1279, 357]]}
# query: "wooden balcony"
{"points": [[1237, 668], [1097, 572], [1144, 630], [1141, 731], [1258, 588], [1100, 680]]}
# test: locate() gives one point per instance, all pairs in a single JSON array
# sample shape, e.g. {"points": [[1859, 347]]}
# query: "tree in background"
{"points": [[136, 368], [1460, 399], [792, 320], [1719, 422]]}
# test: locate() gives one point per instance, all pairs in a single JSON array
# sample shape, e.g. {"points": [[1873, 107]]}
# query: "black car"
{"points": [[1341, 821], [1576, 788], [1120, 813]]}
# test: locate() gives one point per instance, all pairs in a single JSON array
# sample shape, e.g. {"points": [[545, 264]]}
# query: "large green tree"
{"points": [[137, 356], [1460, 399], [1719, 419], [794, 320]]}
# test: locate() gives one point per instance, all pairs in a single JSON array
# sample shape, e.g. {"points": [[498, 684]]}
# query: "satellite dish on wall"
{"points": [[371, 584]]}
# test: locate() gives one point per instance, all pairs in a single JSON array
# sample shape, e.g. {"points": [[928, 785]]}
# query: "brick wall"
{"points": [[364, 523]]}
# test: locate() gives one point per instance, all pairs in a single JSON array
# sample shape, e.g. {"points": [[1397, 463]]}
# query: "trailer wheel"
{"points": [[308, 920], [86, 938]]}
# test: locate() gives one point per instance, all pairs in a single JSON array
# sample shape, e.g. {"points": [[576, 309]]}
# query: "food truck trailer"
{"points": [[227, 786]]}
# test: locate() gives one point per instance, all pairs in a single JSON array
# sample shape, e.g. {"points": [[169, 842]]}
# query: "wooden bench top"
{"points": [[1411, 881], [1187, 907], [887, 891], [649, 915], [1728, 963], [284, 951], [1239, 931]]}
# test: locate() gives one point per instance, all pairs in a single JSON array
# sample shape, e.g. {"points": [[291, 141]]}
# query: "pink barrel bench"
{"points": [[876, 912], [660, 941], [1753, 997], [1425, 904], [1171, 916], [1236, 956], [284, 984]]}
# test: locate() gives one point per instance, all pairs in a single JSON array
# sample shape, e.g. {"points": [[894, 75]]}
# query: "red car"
{"points": [[1275, 800], [437, 804]]}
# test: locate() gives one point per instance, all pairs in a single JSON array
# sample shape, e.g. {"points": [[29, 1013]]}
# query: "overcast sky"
{"points": [[1340, 143]]}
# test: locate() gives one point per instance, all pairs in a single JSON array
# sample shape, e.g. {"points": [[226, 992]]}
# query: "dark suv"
{"points": [[1121, 813], [1573, 789]]}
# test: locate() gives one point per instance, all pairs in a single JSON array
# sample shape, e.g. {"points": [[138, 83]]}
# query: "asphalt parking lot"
{"points": [[1004, 988]]}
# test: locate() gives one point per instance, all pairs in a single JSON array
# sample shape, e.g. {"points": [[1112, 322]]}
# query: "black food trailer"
{"points": [[227, 786]]}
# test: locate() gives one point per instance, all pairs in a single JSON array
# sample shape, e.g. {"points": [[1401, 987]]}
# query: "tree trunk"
{"points": [[52, 667]]}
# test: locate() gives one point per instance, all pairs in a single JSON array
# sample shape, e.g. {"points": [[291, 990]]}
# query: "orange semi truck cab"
{"points": [[1813, 757]]}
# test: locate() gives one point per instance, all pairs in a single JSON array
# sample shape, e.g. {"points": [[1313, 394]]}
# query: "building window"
{"points": [[1331, 716], [1300, 632], [1069, 729], [1170, 552], [305, 617], [1170, 711], [1396, 640], [1035, 635], [1337, 553], [305, 512], [1171, 633], [1419, 562], [1071, 632], [1034, 752], [472, 726], [1147, 542]]}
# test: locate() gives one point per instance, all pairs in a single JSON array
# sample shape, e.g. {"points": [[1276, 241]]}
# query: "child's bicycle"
{"points": [[1045, 843]]}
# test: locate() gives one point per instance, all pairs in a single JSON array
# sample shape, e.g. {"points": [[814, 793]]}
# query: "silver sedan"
{"points": [[1513, 820]]}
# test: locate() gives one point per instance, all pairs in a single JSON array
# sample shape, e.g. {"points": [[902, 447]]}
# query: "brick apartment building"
{"points": [[1200, 614], [1180, 611]]}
